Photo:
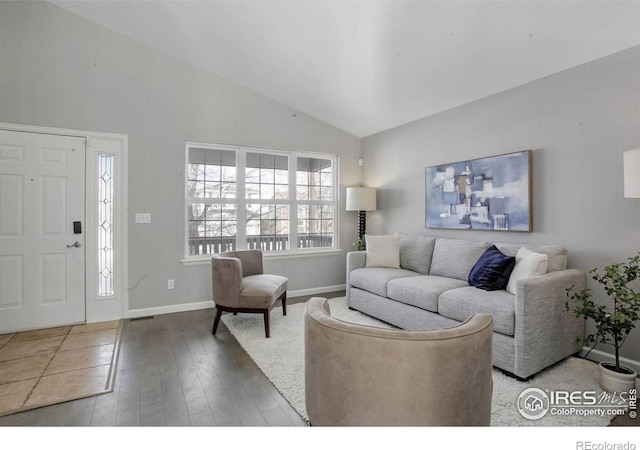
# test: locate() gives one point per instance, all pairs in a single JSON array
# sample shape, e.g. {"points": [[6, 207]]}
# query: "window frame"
{"points": [[241, 201]]}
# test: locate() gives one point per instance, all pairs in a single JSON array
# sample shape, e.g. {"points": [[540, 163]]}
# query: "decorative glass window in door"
{"points": [[105, 225]]}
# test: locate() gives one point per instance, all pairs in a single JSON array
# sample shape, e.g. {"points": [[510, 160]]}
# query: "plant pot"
{"points": [[612, 381]]}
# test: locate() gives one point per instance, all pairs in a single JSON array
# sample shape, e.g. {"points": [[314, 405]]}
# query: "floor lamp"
{"points": [[361, 199]]}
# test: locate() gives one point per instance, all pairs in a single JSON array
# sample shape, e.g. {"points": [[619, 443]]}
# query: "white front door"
{"points": [[42, 255]]}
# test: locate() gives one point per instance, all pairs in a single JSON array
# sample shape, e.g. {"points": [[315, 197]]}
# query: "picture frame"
{"points": [[492, 193]]}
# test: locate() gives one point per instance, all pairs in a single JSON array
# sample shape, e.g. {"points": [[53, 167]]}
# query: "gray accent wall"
{"points": [[59, 70], [577, 122]]}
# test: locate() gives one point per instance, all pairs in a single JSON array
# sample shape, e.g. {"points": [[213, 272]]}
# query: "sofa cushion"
{"points": [[454, 258], [375, 279], [460, 304], [383, 251], [422, 291], [416, 252], [491, 272], [528, 264], [556, 255]]}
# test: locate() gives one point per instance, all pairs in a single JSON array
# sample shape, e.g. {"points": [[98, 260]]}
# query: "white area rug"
{"points": [[281, 358]]}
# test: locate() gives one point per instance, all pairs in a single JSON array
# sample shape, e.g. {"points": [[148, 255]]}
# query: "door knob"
{"points": [[75, 244]]}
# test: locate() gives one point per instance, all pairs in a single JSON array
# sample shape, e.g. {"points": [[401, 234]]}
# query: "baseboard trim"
{"points": [[316, 291], [600, 356], [184, 307]]}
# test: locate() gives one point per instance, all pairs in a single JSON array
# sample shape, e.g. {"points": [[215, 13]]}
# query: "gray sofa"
{"points": [[532, 329]]}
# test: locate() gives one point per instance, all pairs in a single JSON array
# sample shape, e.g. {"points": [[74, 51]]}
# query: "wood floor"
{"points": [[173, 372]]}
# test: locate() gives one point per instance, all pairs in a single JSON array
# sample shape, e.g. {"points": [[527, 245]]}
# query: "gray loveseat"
{"points": [[532, 329]]}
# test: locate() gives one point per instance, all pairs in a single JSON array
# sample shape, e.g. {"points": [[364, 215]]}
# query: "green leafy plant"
{"points": [[360, 244], [613, 322]]}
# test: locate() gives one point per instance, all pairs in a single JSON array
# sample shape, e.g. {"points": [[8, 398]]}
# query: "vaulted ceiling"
{"points": [[367, 66]]}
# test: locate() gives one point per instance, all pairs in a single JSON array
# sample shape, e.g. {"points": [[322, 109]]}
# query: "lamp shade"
{"points": [[361, 199], [631, 161]]}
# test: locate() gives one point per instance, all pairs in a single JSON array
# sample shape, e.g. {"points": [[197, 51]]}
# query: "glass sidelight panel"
{"points": [[105, 225]]}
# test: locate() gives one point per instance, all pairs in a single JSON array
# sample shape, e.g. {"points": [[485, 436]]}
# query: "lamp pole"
{"points": [[362, 223]]}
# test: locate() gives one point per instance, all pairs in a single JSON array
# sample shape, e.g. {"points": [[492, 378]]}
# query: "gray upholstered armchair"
{"points": [[359, 375], [239, 285]]}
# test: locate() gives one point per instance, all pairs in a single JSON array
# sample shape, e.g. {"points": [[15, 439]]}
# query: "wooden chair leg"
{"points": [[284, 303], [266, 322], [216, 321]]}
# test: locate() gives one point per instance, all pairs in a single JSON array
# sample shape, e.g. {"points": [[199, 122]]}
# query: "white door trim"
{"points": [[113, 307]]}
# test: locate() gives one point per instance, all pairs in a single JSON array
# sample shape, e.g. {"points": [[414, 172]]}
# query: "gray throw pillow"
{"points": [[454, 258], [416, 252]]}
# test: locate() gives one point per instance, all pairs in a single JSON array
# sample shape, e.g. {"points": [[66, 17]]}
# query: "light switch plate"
{"points": [[143, 218]]}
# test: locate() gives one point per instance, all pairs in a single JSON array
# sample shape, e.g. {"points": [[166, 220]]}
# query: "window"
{"points": [[105, 222], [212, 212], [248, 198], [314, 195], [267, 195]]}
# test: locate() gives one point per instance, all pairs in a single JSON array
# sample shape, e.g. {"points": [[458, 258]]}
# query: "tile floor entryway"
{"points": [[57, 364]]}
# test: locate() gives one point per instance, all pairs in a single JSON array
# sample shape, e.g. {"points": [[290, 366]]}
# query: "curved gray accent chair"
{"points": [[358, 375], [240, 285]]}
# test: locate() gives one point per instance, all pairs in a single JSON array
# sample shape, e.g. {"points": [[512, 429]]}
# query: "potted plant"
{"points": [[613, 322], [360, 244]]}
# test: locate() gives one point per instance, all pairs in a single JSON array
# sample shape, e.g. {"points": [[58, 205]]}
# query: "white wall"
{"points": [[59, 70], [578, 123]]}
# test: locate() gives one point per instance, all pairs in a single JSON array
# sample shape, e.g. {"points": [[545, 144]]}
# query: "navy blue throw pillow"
{"points": [[491, 272]]}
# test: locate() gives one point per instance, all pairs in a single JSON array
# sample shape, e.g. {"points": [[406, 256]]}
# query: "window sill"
{"points": [[206, 259]]}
